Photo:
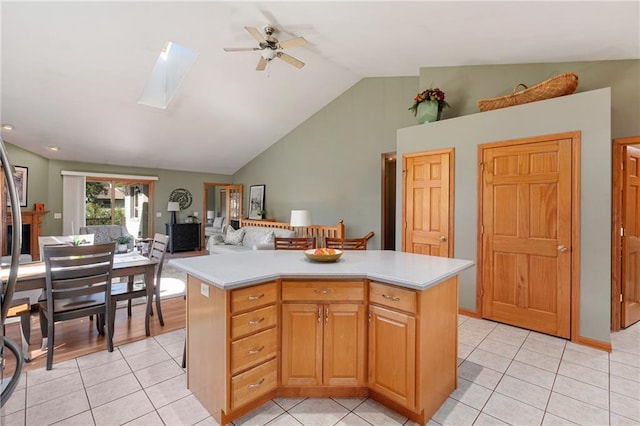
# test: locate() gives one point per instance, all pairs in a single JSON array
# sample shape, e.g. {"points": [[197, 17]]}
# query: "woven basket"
{"points": [[560, 85]]}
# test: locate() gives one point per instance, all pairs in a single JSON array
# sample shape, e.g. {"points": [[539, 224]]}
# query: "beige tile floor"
{"points": [[506, 376]]}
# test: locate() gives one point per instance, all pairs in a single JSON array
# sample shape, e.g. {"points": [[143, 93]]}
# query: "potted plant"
{"points": [[428, 105], [123, 243]]}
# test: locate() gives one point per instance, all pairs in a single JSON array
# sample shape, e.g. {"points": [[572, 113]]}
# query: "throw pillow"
{"points": [[268, 238], [234, 237], [217, 222], [218, 239]]}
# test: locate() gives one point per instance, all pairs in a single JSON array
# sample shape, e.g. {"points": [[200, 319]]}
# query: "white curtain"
{"points": [[73, 199]]}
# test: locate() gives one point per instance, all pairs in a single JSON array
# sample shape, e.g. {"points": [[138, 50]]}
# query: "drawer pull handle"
{"points": [[393, 298], [256, 321], [255, 385], [258, 297], [255, 351], [322, 290]]}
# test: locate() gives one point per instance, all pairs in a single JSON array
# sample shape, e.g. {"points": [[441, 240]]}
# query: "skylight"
{"points": [[172, 66]]}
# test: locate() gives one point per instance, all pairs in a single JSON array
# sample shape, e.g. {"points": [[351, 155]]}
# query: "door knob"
{"points": [[443, 238], [562, 248]]}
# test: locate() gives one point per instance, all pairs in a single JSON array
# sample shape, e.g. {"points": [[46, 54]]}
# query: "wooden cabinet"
{"points": [[392, 355], [323, 343], [183, 236], [413, 347]]}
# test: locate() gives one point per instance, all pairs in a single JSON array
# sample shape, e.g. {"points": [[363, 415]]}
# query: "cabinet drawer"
{"points": [[254, 383], [253, 321], [252, 297], [393, 297], [254, 349], [318, 291]]}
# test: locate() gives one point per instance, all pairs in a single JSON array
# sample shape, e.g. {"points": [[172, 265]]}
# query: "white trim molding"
{"points": [[107, 175]]}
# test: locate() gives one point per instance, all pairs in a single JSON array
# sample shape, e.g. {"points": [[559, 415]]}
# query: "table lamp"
{"points": [[173, 207], [300, 218]]}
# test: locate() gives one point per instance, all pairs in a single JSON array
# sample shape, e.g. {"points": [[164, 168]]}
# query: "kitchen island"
{"points": [[265, 324]]}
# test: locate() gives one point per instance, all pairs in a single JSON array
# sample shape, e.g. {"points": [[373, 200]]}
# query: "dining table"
{"points": [[31, 276]]}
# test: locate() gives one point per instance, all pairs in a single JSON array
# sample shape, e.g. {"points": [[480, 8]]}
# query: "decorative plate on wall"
{"points": [[182, 196]]}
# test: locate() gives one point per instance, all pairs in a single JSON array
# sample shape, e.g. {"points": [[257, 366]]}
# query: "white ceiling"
{"points": [[72, 72]]}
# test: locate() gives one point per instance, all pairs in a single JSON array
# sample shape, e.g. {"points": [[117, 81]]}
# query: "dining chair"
{"points": [[348, 243], [294, 243], [131, 290], [78, 284]]}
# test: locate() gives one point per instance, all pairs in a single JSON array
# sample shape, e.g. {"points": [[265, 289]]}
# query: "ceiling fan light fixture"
{"points": [[268, 54]]}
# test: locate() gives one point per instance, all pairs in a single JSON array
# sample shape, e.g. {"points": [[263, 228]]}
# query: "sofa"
{"points": [[216, 227], [107, 233], [246, 238]]}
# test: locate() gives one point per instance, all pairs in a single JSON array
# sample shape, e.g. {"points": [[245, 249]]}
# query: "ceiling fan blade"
{"points": [[294, 42], [262, 64], [290, 59], [240, 49], [256, 34]]}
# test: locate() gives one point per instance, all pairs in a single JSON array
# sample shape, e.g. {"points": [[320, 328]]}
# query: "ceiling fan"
{"points": [[271, 47]]}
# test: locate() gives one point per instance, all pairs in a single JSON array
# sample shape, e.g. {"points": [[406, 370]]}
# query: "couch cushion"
{"points": [[262, 237], [217, 222], [234, 237]]}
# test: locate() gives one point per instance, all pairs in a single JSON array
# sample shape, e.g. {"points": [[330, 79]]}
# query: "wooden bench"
{"points": [[319, 231]]}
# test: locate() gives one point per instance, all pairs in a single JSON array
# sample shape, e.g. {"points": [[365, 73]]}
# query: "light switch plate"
{"points": [[158, 214], [57, 215], [204, 290], [195, 214]]}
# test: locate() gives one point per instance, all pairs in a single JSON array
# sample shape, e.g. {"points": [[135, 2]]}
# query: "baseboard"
{"points": [[468, 313], [593, 343]]}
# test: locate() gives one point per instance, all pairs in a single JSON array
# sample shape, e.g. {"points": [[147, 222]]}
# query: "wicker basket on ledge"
{"points": [[560, 85]]}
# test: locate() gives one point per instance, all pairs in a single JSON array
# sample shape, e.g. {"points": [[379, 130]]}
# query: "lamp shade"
{"points": [[300, 218], [173, 206], [211, 214]]}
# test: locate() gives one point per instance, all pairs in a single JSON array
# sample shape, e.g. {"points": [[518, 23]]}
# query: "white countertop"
{"points": [[235, 270]]}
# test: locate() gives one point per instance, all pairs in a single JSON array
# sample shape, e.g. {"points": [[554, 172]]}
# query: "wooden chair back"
{"points": [[348, 243], [157, 252], [294, 243], [78, 284]]}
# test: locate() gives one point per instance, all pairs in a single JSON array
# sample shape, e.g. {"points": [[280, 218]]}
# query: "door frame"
{"points": [[575, 224], [451, 152], [616, 226]]}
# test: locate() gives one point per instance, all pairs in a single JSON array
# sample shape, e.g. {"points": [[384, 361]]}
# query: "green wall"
{"points": [[45, 185], [331, 163]]}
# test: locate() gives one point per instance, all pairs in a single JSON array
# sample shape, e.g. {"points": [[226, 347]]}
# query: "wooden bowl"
{"points": [[323, 257]]}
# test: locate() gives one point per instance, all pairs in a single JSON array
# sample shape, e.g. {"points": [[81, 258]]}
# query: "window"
{"points": [[120, 202]]}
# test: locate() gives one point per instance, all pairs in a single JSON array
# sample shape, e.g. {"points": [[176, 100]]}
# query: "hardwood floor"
{"points": [[79, 337]]}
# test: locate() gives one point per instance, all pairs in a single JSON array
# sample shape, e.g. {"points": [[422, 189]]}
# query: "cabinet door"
{"points": [[344, 345], [302, 344], [392, 355]]}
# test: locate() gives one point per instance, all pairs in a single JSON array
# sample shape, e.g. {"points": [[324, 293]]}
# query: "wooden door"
{"points": [[631, 236], [392, 355], [526, 235], [344, 345], [428, 203], [301, 344]]}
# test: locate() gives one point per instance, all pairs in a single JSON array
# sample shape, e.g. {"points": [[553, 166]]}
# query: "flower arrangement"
{"points": [[429, 95]]}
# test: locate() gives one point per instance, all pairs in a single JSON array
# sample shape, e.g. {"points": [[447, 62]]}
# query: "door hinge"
{"points": [[621, 298], [622, 232]]}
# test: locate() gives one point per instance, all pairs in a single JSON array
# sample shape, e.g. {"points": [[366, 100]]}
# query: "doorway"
{"points": [[388, 201], [625, 264], [528, 248]]}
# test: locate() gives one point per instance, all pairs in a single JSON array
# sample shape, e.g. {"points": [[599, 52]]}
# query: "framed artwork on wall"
{"points": [[20, 177], [256, 201]]}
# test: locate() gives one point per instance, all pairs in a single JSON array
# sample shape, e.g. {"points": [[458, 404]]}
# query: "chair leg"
{"points": [[109, 320], [129, 289], [158, 308], [25, 328], [50, 337], [43, 329]]}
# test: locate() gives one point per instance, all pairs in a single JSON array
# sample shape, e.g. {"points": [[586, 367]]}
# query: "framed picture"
{"points": [[20, 178], [256, 201]]}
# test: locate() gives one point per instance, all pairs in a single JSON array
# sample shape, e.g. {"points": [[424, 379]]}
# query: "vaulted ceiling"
{"points": [[72, 72]]}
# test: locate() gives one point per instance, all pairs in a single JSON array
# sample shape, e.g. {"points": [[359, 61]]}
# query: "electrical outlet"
{"points": [[204, 289], [57, 215], [195, 214], [158, 214]]}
